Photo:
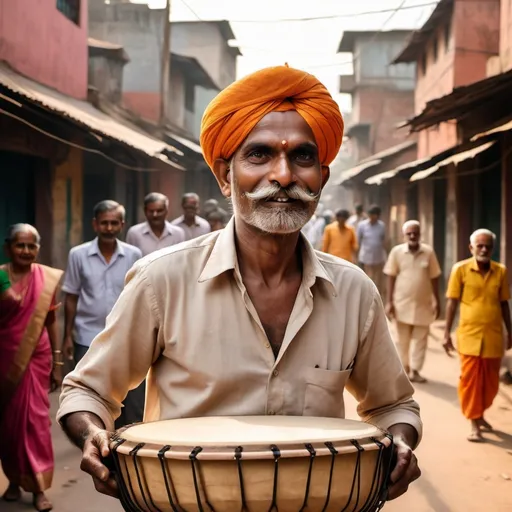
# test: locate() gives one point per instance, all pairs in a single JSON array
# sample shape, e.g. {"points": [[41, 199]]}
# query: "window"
{"points": [[70, 9]]}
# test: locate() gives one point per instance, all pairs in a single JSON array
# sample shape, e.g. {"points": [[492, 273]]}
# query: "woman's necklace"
{"points": [[23, 282]]}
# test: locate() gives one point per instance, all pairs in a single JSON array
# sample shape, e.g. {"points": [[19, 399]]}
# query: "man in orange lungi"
{"points": [[481, 287]]}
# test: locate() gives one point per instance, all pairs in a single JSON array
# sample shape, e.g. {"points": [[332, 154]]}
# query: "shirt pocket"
{"points": [[471, 292], [324, 392]]}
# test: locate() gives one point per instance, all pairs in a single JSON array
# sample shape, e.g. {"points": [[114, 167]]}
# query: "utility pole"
{"points": [[165, 71]]}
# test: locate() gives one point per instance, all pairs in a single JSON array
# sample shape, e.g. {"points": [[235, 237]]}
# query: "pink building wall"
{"points": [[461, 60], [39, 42]]}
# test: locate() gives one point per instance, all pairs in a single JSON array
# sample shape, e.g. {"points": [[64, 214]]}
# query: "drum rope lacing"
{"points": [[374, 503]]}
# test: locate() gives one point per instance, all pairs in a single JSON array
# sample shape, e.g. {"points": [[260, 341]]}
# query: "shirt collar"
{"points": [[406, 248], [146, 229], [223, 258], [94, 248], [474, 265], [182, 221]]}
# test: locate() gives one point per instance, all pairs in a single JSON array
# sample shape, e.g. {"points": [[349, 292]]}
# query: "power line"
{"points": [[79, 146], [315, 18]]}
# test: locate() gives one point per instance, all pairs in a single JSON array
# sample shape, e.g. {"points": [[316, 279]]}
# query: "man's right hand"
{"points": [[67, 348], [96, 447], [448, 345], [390, 310]]}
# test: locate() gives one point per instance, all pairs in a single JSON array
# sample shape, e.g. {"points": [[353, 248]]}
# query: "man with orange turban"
{"points": [[250, 320]]}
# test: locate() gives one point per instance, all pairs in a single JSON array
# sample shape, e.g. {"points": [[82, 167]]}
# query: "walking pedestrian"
{"points": [[413, 297], [339, 239], [190, 222], [287, 329], [481, 287], [93, 282], [156, 233], [30, 366], [356, 219], [371, 235]]}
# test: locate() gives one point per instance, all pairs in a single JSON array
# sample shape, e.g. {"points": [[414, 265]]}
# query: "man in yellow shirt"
{"points": [[481, 286], [340, 239]]}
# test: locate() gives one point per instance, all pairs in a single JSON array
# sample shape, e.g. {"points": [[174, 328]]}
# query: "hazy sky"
{"points": [[308, 45]]}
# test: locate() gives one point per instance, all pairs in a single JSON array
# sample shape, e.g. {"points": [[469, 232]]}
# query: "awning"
{"points": [[453, 159], [501, 128], [85, 115], [378, 179], [354, 171], [374, 160], [190, 144]]}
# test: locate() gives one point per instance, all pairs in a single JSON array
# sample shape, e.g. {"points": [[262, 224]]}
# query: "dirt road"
{"points": [[457, 476]]}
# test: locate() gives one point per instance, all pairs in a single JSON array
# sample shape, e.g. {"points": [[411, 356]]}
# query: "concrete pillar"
{"points": [[426, 210], [451, 253], [67, 198]]}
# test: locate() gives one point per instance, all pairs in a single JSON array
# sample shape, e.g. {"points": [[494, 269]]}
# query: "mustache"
{"points": [[272, 190]]}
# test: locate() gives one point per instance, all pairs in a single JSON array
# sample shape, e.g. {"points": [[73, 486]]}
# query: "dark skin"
{"points": [[107, 226], [156, 213], [270, 265], [190, 209], [412, 235]]}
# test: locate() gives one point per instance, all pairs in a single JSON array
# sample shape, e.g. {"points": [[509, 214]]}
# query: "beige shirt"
{"points": [[413, 297], [185, 315], [142, 236], [200, 227]]}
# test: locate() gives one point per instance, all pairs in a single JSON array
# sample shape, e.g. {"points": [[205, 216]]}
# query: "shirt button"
{"points": [[267, 345], [271, 413], [275, 373]]}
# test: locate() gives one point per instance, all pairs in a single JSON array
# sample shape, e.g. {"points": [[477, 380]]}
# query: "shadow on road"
{"points": [[499, 439], [431, 495], [441, 390]]}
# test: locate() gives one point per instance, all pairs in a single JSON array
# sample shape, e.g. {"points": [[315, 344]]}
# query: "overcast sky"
{"points": [[308, 45]]}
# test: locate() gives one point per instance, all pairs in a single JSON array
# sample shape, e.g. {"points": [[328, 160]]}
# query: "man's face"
{"points": [[482, 247], [342, 219], [412, 236], [190, 207], [108, 225], [276, 176], [156, 213], [374, 217]]}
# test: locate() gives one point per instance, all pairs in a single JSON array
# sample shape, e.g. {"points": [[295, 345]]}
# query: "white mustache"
{"points": [[272, 190]]}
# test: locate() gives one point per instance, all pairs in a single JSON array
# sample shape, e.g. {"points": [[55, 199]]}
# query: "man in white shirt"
{"points": [[156, 233], [190, 222]]}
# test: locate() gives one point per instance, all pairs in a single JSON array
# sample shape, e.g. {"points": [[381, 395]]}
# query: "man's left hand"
{"points": [[406, 469]]}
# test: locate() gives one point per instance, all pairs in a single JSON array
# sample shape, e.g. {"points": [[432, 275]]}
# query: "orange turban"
{"points": [[231, 116]]}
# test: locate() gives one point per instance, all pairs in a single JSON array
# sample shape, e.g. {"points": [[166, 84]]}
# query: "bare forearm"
{"points": [[391, 288], [70, 306], [406, 433], [79, 425], [53, 334], [451, 308], [435, 288], [505, 313]]}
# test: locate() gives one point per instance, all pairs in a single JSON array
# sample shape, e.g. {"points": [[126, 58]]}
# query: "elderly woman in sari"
{"points": [[30, 363]]}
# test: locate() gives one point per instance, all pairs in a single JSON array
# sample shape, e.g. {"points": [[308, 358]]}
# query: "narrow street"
{"points": [[457, 476]]}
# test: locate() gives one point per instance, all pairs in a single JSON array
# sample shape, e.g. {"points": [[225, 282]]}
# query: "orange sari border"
{"points": [[35, 326]]}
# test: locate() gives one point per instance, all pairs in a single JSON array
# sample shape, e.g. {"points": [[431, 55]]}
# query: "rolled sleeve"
{"points": [[119, 357], [391, 266], [454, 289], [378, 380], [72, 282]]}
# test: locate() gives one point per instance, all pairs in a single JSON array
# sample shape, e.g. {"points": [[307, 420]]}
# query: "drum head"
{"points": [[213, 431]]}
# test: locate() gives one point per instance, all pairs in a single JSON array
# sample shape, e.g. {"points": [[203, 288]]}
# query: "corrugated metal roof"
{"points": [[505, 127], [453, 159], [374, 160], [84, 114], [378, 179]]}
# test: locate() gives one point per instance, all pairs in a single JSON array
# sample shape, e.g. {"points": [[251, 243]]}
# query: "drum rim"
{"points": [[124, 447]]}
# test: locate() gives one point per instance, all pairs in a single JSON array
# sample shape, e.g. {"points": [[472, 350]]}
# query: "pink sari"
{"points": [[26, 449]]}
